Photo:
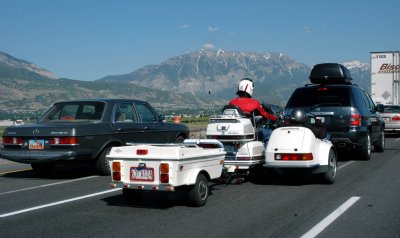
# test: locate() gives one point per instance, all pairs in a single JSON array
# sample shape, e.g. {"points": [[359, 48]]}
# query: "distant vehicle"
{"points": [[385, 77], [347, 111], [18, 122], [391, 116], [81, 130]]}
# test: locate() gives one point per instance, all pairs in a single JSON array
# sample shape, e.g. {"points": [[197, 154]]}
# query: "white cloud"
{"points": [[212, 29], [208, 46], [184, 26]]}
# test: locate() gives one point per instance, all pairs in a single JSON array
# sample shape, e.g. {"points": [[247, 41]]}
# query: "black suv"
{"points": [[348, 112]]}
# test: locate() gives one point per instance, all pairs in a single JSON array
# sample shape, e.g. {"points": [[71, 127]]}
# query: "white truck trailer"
{"points": [[385, 69]]}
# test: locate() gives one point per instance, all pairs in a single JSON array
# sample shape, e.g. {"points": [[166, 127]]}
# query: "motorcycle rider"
{"points": [[248, 104]]}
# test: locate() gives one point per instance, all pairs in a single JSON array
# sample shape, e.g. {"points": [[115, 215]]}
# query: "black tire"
{"points": [[198, 194], [102, 164], [43, 169], [379, 145], [329, 176], [366, 149], [179, 139]]}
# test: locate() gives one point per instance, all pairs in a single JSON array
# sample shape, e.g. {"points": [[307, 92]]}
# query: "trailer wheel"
{"points": [[329, 176], [198, 194]]}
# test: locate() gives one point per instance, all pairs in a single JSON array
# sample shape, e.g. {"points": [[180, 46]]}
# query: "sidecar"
{"points": [[296, 148]]}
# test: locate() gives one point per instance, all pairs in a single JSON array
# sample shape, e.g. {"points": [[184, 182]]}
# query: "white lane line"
{"points": [[331, 218], [344, 165], [48, 185], [57, 203]]}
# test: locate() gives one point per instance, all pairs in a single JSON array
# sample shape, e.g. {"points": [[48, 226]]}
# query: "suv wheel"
{"points": [[366, 149], [379, 145]]}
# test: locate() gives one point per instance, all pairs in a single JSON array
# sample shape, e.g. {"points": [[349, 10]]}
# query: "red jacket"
{"points": [[249, 104]]}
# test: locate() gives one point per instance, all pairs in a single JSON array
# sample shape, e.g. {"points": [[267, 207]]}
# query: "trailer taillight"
{"points": [[294, 157], [64, 141], [116, 176], [142, 152], [116, 169], [164, 173], [116, 166], [13, 140]]}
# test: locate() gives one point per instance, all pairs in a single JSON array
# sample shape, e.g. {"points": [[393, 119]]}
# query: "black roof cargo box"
{"points": [[330, 73]]}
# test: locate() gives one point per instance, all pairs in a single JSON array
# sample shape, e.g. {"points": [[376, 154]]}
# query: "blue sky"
{"points": [[90, 39]]}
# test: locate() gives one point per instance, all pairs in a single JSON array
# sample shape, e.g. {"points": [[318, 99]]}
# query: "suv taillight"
{"points": [[355, 118]]}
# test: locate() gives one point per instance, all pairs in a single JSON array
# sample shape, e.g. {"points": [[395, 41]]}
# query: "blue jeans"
{"points": [[264, 134]]}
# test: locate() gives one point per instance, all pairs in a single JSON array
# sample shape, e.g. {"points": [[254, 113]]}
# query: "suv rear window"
{"points": [[319, 96]]}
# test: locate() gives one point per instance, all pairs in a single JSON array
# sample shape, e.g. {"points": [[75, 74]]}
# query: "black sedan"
{"points": [[81, 130]]}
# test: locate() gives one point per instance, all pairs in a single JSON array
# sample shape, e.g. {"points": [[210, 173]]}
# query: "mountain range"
{"points": [[196, 79]]}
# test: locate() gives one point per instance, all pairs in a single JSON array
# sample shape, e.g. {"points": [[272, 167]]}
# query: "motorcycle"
{"points": [[297, 148], [238, 132]]}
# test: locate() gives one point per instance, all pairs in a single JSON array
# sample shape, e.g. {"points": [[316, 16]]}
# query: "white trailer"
{"points": [[167, 167], [385, 68]]}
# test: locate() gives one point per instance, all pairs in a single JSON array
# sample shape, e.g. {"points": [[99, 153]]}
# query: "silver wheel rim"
{"points": [[202, 190], [332, 165]]}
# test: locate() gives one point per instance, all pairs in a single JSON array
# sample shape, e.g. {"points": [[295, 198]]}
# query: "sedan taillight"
{"points": [[13, 140], [64, 141], [396, 118]]}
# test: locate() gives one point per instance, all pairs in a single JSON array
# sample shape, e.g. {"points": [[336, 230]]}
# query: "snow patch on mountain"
{"points": [[356, 65]]}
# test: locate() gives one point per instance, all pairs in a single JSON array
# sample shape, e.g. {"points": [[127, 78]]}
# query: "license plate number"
{"points": [[142, 174], [36, 144]]}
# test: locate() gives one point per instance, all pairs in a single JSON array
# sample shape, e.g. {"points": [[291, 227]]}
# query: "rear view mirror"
{"points": [[380, 108]]}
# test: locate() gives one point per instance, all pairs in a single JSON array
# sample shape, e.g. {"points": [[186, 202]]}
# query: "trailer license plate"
{"points": [[142, 174]]}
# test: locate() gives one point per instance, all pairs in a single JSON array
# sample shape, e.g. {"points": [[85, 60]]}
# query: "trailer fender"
{"points": [[191, 179]]}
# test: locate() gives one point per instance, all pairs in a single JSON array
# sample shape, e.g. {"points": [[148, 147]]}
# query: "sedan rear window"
{"points": [[392, 109], [319, 97], [74, 112]]}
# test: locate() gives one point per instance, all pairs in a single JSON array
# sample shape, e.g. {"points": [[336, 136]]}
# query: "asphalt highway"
{"points": [[75, 202]]}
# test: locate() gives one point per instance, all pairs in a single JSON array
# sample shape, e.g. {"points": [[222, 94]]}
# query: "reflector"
{"points": [[142, 152]]}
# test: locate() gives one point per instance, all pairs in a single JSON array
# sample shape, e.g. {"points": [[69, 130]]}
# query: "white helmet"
{"points": [[246, 85]]}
